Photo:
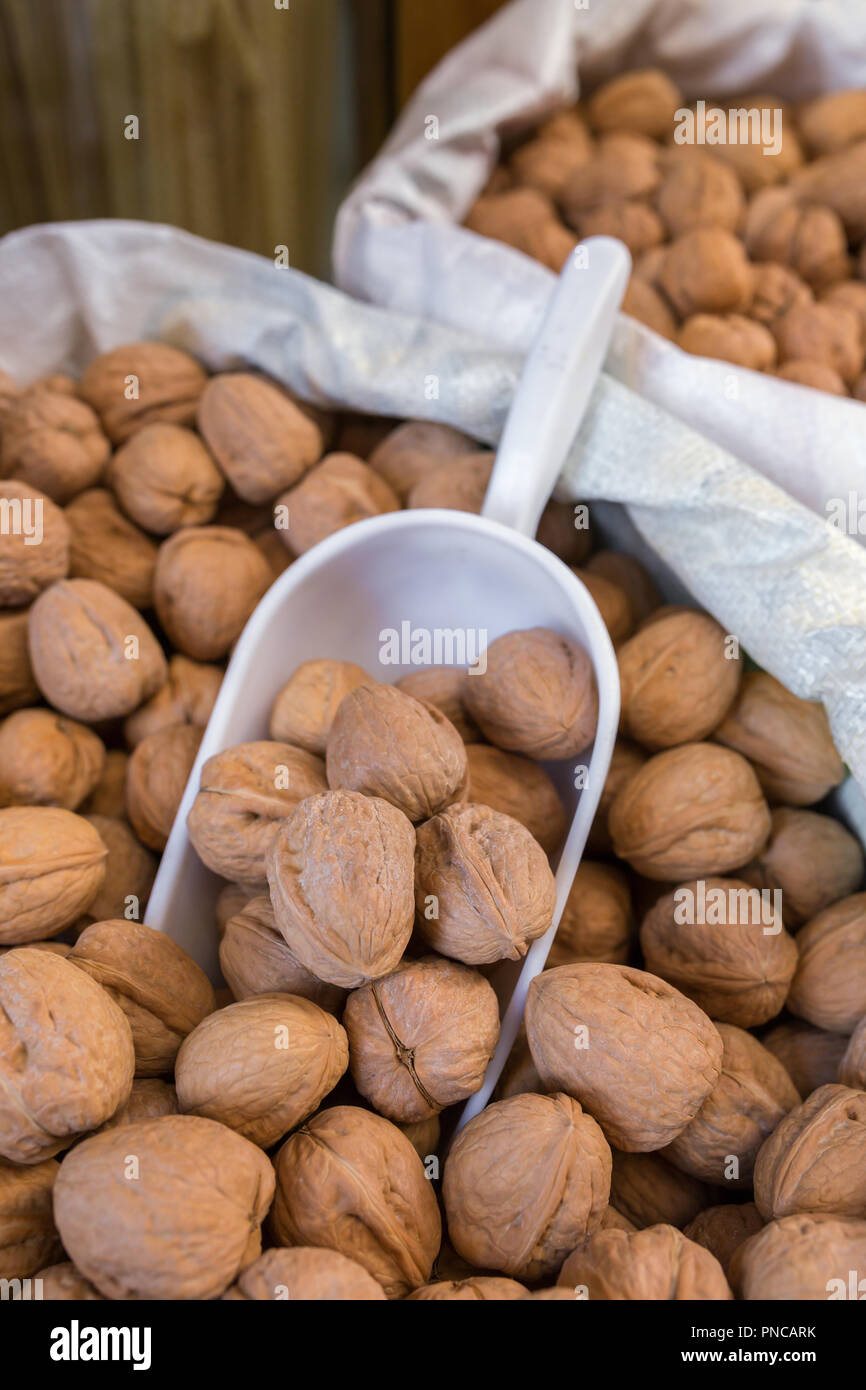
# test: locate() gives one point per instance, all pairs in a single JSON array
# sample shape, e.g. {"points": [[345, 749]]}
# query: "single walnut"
{"points": [[47, 760], [812, 860], [445, 688], [34, 543], [520, 1073], [730, 337], [188, 697], [164, 478], [340, 875], [787, 740], [63, 1282], [208, 581], [483, 887], [308, 1274], [485, 1288], [336, 493], [777, 289], [811, 239], [421, 1038], [245, 793], [547, 163], [647, 1190], [109, 548], [631, 222], [851, 294], [525, 1181], [511, 216], [815, 1160], [139, 383], [614, 1220], [255, 959], [52, 864], [187, 1225], [810, 1056], [724, 946], [647, 1057], [800, 1258], [678, 680], [68, 1058], [303, 712], [612, 602], [820, 376], [658, 1263], [149, 1098], [233, 898], [623, 165], [752, 1095], [823, 332], [830, 122], [412, 450], [692, 810], [385, 743], [701, 191], [648, 264], [349, 1181], [458, 485], [631, 576], [766, 151], [160, 989], [706, 271], [722, 1230], [17, 684], [837, 181], [156, 777], [93, 655], [519, 788], [597, 921], [644, 303], [829, 988], [625, 760], [261, 1066], [262, 440], [28, 1236], [108, 797], [852, 1068], [534, 692], [644, 101], [53, 442]]}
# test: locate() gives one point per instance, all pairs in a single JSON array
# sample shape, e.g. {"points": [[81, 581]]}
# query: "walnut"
{"points": [[722, 1230], [564, 528], [511, 216], [851, 294], [630, 221], [623, 165], [596, 922], [160, 989], [261, 1066], [106, 546], [412, 450], [421, 1038], [340, 875], [823, 332], [164, 478], [68, 1058], [631, 576], [34, 543], [28, 1236], [547, 163], [52, 864], [777, 289], [535, 693], [520, 1073], [255, 959], [701, 191], [108, 797], [644, 102], [459, 485], [336, 493], [445, 688], [184, 1228], [706, 271], [692, 810], [730, 337], [647, 1057], [678, 680], [830, 122], [519, 788], [63, 1282], [647, 1191], [485, 1288], [829, 988], [753, 158], [245, 793], [208, 581], [139, 383], [156, 777], [752, 1095], [387, 744], [625, 761], [423, 1135], [814, 1159], [612, 602], [93, 655], [483, 887], [810, 1056], [47, 760], [820, 376], [798, 1258], [188, 697], [644, 303], [17, 684], [837, 181], [657, 1263], [303, 712], [149, 1098], [308, 1274], [53, 442], [233, 898], [811, 859], [262, 440], [349, 1181], [811, 240], [787, 740], [525, 1181], [724, 947], [852, 1068]]}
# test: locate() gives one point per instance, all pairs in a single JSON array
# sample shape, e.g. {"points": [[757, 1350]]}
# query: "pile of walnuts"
{"points": [[752, 252]]}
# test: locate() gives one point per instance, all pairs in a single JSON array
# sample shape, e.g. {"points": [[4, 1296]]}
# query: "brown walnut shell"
{"points": [[262, 440], [335, 493], [156, 777], [138, 383], [208, 581], [730, 338], [644, 102], [107, 547], [164, 478], [677, 680], [787, 740], [484, 1289], [811, 859], [108, 797], [255, 959], [829, 333], [597, 921], [722, 1230], [801, 1258], [34, 543], [188, 697], [658, 1263], [53, 442], [149, 1098], [625, 761], [622, 165], [52, 865], [810, 1056], [700, 192], [460, 484], [47, 760], [444, 687], [829, 988], [303, 712], [63, 1282], [815, 1160], [129, 872], [706, 271], [519, 788], [17, 684], [28, 1236], [413, 449], [647, 1190], [852, 1068], [306, 1274]]}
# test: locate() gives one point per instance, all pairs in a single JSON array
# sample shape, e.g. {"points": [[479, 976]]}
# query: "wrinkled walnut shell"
{"points": [[34, 543], [306, 1274], [304, 710], [138, 383], [208, 581], [536, 696], [262, 440], [815, 1160], [829, 987], [255, 959], [657, 1263], [52, 865]]}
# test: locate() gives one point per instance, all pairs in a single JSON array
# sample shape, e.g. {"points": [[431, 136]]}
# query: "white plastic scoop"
{"points": [[437, 571]]}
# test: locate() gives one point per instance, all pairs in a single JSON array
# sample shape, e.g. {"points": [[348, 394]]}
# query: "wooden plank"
{"points": [[425, 32]]}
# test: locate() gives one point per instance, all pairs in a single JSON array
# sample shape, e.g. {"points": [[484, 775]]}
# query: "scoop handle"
{"points": [[556, 383]]}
